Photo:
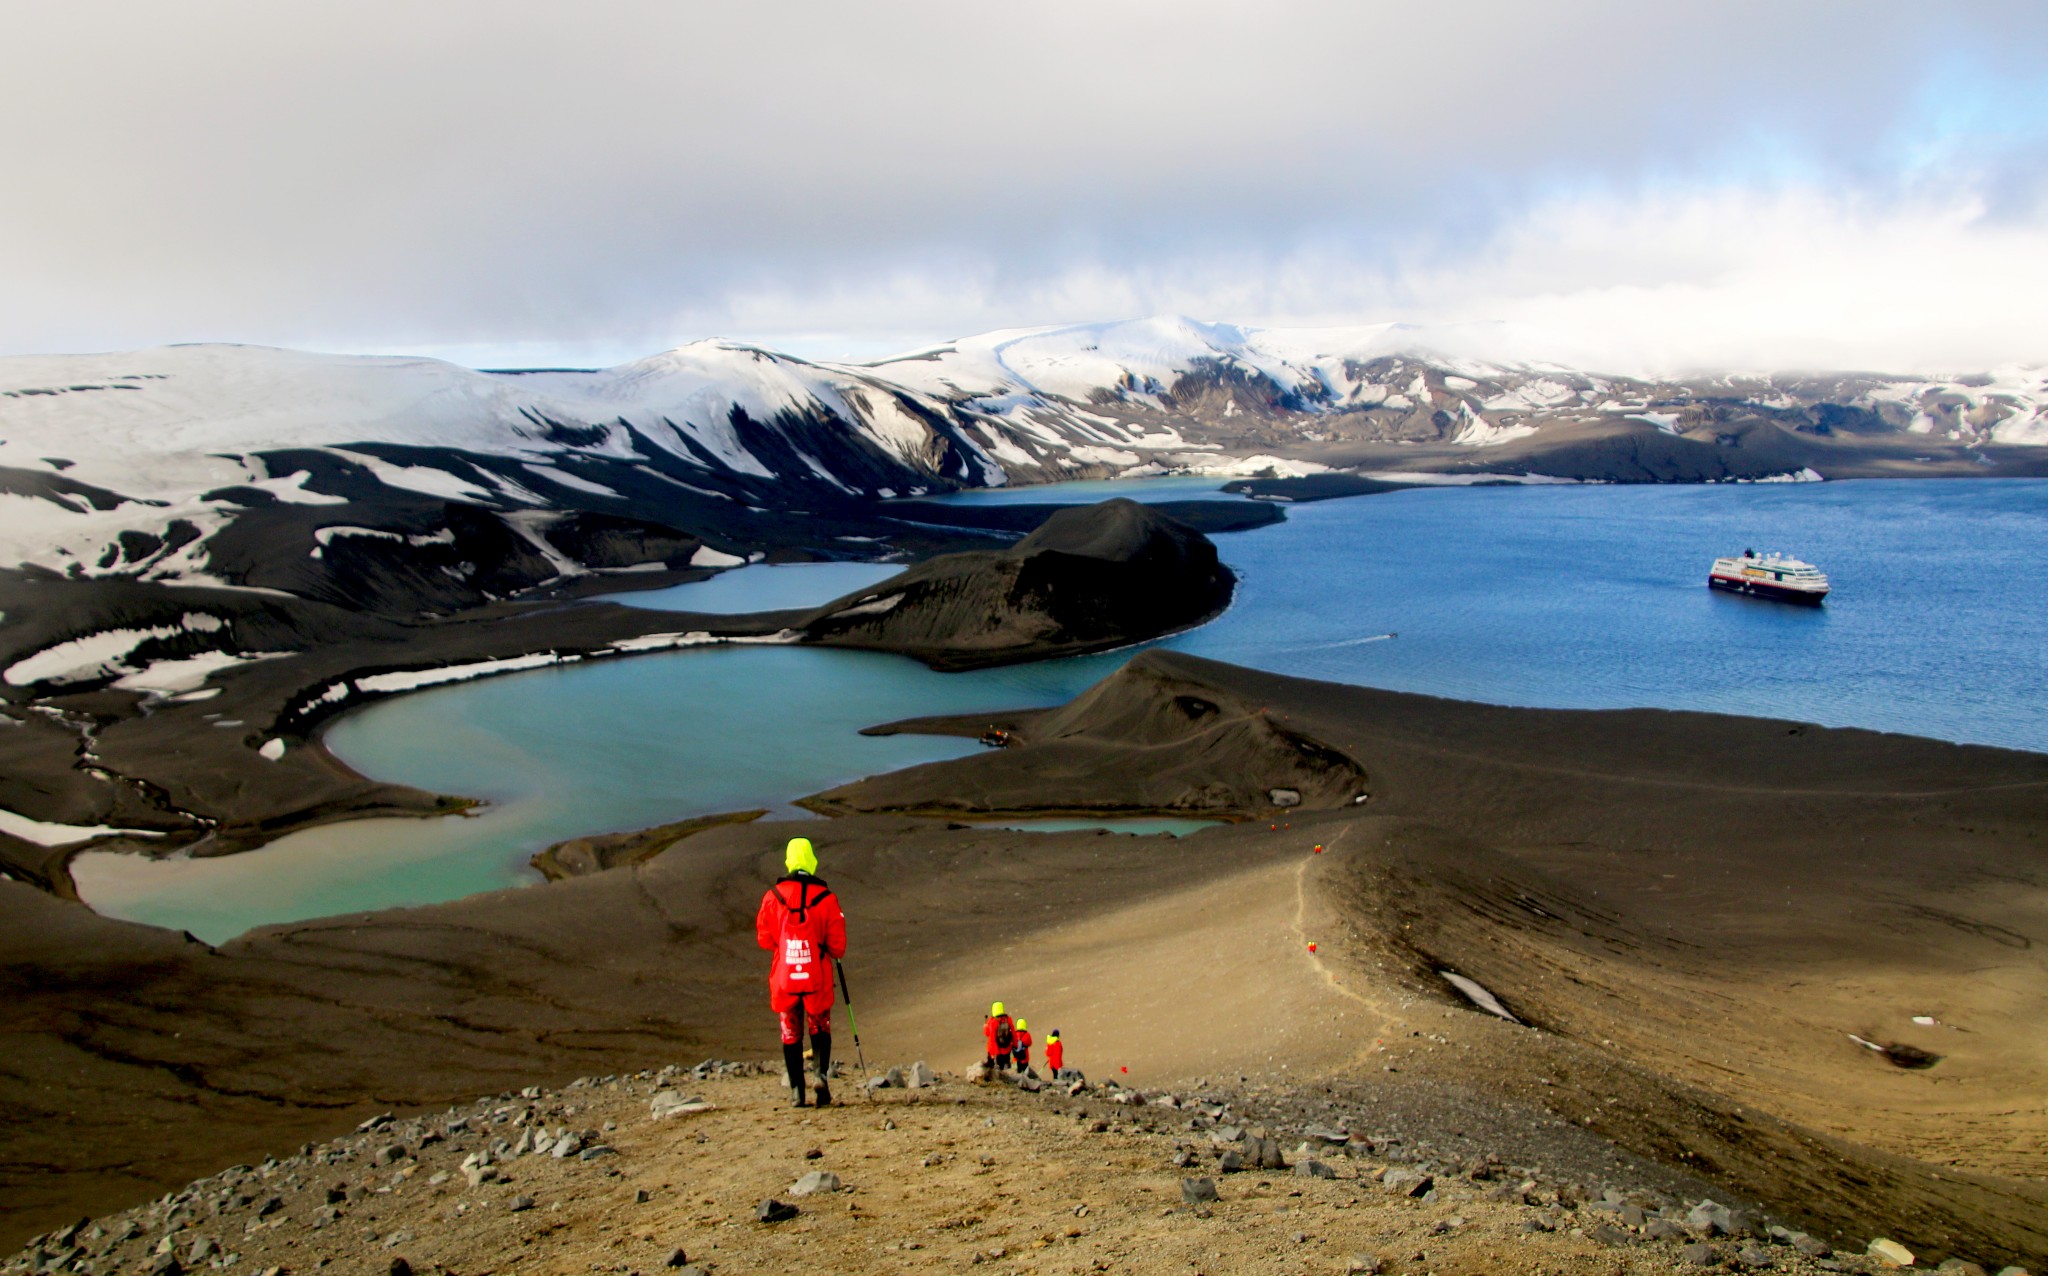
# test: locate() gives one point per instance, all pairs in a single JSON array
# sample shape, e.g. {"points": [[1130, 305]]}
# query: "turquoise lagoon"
{"points": [[1562, 596]]}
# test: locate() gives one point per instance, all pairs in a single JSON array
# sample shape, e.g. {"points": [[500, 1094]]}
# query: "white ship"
{"points": [[1769, 576]]}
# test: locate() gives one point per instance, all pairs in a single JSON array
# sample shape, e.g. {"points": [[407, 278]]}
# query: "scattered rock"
{"points": [[389, 1154], [1284, 797], [566, 1146], [165, 1265], [399, 1267], [1230, 1162], [814, 1182], [1663, 1229], [1700, 1254], [519, 1204], [1363, 1265], [1407, 1182], [1609, 1234], [1753, 1257], [672, 1103], [1314, 1169], [1961, 1267], [676, 1258], [1890, 1253], [1710, 1219], [593, 1153], [1198, 1191], [920, 1076], [774, 1211]]}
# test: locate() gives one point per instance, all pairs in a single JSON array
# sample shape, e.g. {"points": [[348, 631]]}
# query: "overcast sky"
{"points": [[1629, 184]]}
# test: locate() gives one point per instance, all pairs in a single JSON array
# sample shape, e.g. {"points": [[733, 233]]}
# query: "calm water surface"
{"points": [[1586, 597]]}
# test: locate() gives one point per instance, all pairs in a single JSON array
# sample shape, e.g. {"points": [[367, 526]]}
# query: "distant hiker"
{"points": [[1002, 1038], [801, 925], [1020, 1054], [1055, 1053]]}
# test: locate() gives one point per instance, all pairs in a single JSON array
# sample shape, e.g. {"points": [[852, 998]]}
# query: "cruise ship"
{"points": [[1769, 576]]}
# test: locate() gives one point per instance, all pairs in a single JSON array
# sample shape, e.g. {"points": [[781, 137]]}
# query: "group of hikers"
{"points": [[804, 931], [1009, 1044]]}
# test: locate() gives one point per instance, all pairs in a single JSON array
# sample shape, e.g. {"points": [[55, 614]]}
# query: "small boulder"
{"points": [[1663, 1229], [815, 1182], [1890, 1253], [1313, 1169], [1284, 797], [1700, 1254], [774, 1211], [1406, 1182], [566, 1146], [399, 1267], [520, 1204], [1230, 1162], [1710, 1219], [1754, 1257], [921, 1076], [673, 1103], [1198, 1191], [676, 1258], [165, 1265], [389, 1154], [1961, 1267], [1363, 1265], [1609, 1234]]}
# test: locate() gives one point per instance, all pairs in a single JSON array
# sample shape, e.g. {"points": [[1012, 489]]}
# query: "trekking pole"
{"points": [[846, 991]]}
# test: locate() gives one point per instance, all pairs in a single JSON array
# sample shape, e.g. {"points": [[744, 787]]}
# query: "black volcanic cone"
{"points": [[1090, 578]]}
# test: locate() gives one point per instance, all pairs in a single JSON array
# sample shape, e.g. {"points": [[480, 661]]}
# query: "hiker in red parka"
{"points": [[1001, 1035], [1055, 1054], [1021, 1053], [801, 925]]}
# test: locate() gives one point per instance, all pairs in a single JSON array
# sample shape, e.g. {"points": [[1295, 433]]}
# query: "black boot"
{"points": [[793, 1063], [821, 1058]]}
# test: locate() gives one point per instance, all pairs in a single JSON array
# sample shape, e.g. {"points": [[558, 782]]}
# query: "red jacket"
{"points": [[1055, 1054], [800, 923], [988, 1030], [1023, 1042]]}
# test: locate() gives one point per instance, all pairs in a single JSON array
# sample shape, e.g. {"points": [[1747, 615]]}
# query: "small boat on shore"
{"points": [[1774, 576]]}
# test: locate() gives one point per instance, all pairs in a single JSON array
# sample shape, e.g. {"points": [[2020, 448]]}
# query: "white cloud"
{"points": [[529, 182]]}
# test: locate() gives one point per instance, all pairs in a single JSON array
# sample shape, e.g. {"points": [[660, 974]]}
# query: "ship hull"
{"points": [[1766, 589]]}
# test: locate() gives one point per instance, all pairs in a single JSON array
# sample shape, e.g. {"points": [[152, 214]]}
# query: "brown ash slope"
{"points": [[1090, 578], [1690, 914]]}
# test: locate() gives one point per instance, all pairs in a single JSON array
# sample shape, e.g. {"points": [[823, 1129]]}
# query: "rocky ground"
{"points": [[709, 1170]]}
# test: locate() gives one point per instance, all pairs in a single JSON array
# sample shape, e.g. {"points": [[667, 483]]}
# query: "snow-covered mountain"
{"points": [[139, 465]]}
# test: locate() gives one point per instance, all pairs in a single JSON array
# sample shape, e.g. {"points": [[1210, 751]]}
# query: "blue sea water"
{"points": [[1577, 597]]}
